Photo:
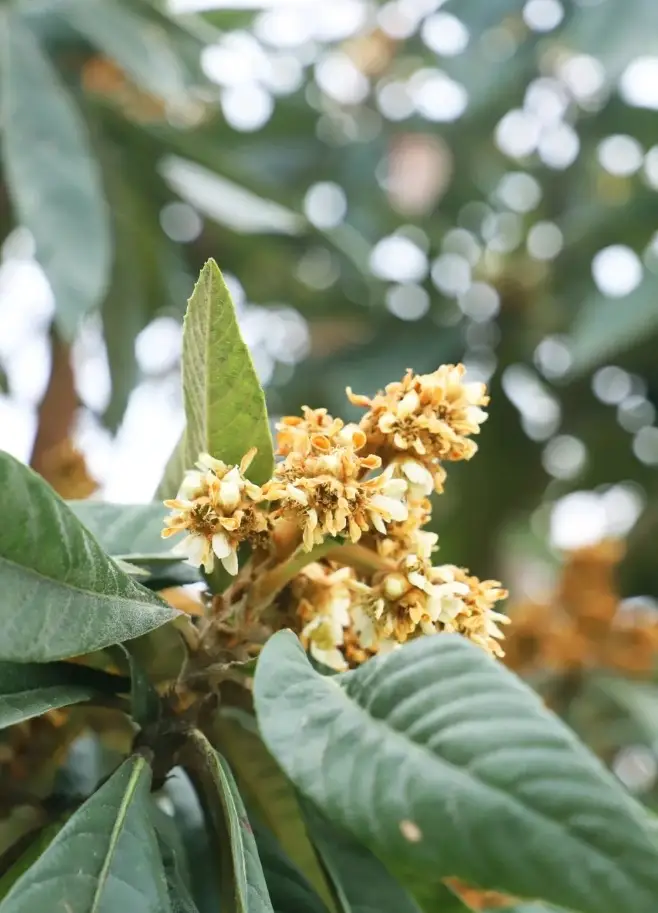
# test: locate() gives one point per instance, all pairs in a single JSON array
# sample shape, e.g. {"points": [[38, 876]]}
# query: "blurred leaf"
{"points": [[52, 178], [606, 326], [227, 202], [124, 529], [140, 47], [105, 857], [61, 595], [475, 755], [30, 689], [224, 402], [361, 882], [638, 699]]}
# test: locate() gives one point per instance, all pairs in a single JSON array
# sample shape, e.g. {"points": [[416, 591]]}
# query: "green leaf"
{"points": [[60, 594], [606, 326], [224, 403], [144, 699], [174, 862], [638, 699], [289, 891], [36, 846], [361, 882], [105, 858], [437, 749], [52, 178], [30, 689], [189, 822], [140, 47], [271, 795], [124, 529], [250, 890]]}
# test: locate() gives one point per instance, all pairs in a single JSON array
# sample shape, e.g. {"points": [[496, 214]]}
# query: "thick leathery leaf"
{"points": [[30, 689], [360, 880], [60, 595], [219, 788], [273, 798], [289, 891], [437, 749], [105, 858], [124, 529], [51, 175]]}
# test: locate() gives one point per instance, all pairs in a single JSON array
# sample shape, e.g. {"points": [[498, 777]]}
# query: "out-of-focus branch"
{"points": [[53, 455]]}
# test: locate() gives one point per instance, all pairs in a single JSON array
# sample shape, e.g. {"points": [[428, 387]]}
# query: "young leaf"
{"points": [[60, 595], [361, 882], [251, 894], [124, 529], [271, 795], [30, 689], [440, 758], [224, 402], [105, 858], [51, 175]]}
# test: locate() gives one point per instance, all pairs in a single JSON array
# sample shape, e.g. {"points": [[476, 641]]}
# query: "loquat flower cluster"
{"points": [[347, 508]]}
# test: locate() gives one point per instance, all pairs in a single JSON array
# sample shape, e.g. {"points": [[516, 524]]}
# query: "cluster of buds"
{"points": [[352, 502]]}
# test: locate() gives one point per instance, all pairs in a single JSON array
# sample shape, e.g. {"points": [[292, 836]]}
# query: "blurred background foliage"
{"points": [[386, 185]]}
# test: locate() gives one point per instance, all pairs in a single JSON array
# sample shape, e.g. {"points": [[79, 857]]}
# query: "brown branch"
{"points": [[57, 410]]}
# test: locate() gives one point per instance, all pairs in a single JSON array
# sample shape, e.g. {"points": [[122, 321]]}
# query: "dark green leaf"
{"points": [[436, 749], [224, 403], [250, 890], [51, 176], [105, 858], [271, 795], [144, 699], [189, 822], [289, 891], [60, 594], [360, 880], [174, 861], [30, 689], [124, 529], [37, 846]]}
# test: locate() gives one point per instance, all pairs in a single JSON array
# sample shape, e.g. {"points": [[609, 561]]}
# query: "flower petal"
{"points": [[230, 562]]}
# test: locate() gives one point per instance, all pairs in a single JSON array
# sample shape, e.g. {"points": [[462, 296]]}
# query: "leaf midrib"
{"points": [[119, 823]]}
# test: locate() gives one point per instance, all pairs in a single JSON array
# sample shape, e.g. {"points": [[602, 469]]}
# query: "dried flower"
{"points": [[316, 431], [429, 416], [326, 496], [218, 508]]}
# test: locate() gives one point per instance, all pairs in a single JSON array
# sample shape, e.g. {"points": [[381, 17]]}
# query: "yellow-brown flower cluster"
{"points": [[361, 493], [584, 625], [219, 509], [427, 418]]}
